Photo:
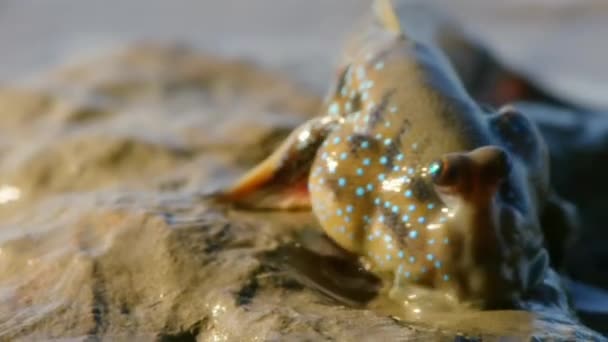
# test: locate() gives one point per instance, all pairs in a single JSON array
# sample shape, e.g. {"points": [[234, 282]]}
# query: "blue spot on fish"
{"points": [[361, 72], [434, 168], [334, 109]]}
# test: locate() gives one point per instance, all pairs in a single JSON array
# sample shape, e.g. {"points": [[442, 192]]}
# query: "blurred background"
{"points": [[558, 43]]}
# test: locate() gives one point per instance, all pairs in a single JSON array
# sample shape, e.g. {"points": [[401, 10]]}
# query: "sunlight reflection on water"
{"points": [[9, 193]]}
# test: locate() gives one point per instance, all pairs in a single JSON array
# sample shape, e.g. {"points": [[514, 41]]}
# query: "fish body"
{"points": [[403, 168]]}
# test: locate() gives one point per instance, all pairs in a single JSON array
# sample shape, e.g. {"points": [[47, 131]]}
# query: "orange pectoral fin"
{"points": [[281, 180]]}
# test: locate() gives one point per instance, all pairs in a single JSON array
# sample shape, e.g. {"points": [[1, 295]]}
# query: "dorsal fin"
{"points": [[386, 14]]}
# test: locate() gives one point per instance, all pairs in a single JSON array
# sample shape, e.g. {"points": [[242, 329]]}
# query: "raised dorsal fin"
{"points": [[386, 15]]}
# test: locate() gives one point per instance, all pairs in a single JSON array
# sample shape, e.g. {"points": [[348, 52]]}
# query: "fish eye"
{"points": [[443, 173], [435, 168]]}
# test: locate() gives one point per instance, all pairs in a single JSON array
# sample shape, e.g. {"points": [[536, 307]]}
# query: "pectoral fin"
{"points": [[281, 180]]}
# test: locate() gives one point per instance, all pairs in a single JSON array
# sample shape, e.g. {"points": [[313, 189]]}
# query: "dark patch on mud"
{"points": [[245, 295], [341, 279], [124, 309], [217, 241], [462, 338], [189, 335], [99, 308]]}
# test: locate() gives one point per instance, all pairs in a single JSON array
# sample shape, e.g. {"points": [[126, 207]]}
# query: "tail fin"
{"points": [[386, 14]]}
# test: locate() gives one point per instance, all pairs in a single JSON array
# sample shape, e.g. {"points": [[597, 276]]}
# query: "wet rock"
{"points": [[130, 268]]}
